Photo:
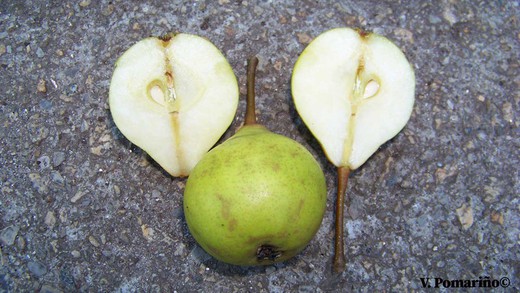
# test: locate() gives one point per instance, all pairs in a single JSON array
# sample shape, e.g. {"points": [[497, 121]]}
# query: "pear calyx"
{"points": [[268, 252]]}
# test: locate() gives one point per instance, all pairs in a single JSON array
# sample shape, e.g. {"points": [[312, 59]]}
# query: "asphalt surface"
{"points": [[82, 209]]}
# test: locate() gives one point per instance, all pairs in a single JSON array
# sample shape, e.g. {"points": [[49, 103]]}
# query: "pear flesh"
{"points": [[173, 98], [256, 199], [354, 92]]}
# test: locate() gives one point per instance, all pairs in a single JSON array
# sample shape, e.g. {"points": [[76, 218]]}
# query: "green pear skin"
{"points": [[256, 199]]}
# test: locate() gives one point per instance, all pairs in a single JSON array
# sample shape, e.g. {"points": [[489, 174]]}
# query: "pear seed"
{"points": [[157, 94], [371, 89]]}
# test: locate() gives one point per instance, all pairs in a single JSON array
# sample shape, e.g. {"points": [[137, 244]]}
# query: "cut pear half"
{"points": [[354, 92], [173, 98]]}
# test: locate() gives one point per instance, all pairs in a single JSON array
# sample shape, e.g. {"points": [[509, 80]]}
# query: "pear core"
{"points": [[256, 199]]}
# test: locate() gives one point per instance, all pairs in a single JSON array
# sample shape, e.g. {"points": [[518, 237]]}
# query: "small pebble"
{"points": [[38, 183], [50, 219], [8, 235], [269, 270], [449, 15], [44, 162], [84, 3], [37, 268], [93, 241], [304, 38], [20, 243], [180, 249], [42, 86], [465, 214], [198, 254], [40, 53], [124, 237], [46, 104], [258, 10], [434, 19], [451, 246], [148, 232], [57, 178], [67, 280], [49, 289], [404, 34], [77, 196], [497, 218], [507, 112], [73, 88], [58, 158], [108, 10]]}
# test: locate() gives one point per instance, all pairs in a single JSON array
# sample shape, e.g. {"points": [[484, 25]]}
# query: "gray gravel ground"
{"points": [[82, 209]]}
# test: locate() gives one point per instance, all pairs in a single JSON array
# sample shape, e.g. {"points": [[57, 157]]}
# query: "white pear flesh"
{"points": [[354, 92], [173, 98]]}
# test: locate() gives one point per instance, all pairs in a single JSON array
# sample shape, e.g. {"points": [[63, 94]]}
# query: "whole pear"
{"points": [[256, 199]]}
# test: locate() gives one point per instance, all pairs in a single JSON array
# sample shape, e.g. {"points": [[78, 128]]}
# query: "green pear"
{"points": [[256, 199]]}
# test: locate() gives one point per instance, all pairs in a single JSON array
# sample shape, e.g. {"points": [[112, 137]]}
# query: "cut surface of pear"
{"points": [[354, 92], [174, 98]]}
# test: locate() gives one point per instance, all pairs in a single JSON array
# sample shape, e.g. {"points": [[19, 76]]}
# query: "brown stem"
{"points": [[339, 255], [250, 100]]}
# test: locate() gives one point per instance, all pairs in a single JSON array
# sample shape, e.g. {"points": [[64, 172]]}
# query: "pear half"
{"points": [[354, 91], [173, 98]]}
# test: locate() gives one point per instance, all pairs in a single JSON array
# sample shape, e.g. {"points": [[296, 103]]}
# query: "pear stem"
{"points": [[339, 255], [250, 99]]}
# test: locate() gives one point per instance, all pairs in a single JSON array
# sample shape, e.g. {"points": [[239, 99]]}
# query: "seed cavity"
{"points": [[156, 92], [163, 93]]}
